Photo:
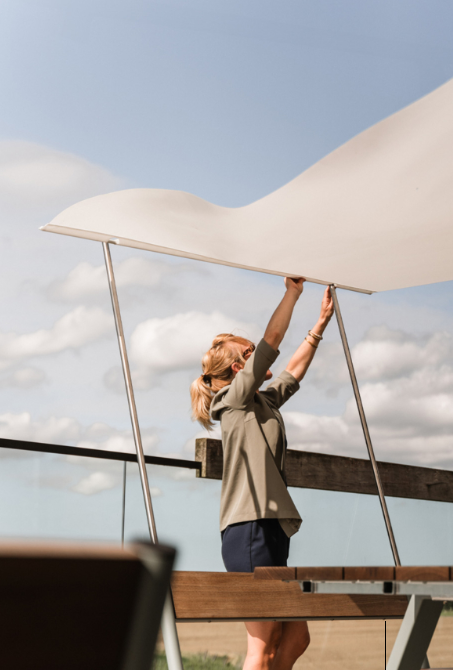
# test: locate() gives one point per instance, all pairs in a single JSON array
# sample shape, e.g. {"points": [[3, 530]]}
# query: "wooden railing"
{"points": [[103, 454], [309, 470]]}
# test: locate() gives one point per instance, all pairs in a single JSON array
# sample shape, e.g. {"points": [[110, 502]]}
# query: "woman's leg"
{"points": [[295, 639], [263, 639]]}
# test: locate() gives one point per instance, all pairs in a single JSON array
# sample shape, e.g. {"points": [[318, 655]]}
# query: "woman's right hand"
{"points": [[278, 325], [295, 284]]}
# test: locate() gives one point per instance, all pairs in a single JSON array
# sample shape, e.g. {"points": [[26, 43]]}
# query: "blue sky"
{"points": [[229, 102]]}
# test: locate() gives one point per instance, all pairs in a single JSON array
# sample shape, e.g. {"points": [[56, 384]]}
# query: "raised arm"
{"points": [[278, 325], [300, 362], [247, 379]]}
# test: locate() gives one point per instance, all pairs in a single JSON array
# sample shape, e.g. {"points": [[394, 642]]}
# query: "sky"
{"points": [[229, 102]]}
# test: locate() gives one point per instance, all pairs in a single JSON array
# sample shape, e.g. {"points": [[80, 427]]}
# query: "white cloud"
{"points": [[35, 176], [328, 370], [382, 354], [214, 434], [64, 430], [407, 396], [75, 329], [182, 474], [52, 430], [114, 380], [67, 430], [101, 436], [98, 481], [179, 342], [24, 378], [95, 483], [387, 354], [87, 281]]}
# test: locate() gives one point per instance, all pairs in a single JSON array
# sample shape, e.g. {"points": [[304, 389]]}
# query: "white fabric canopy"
{"points": [[376, 214]]}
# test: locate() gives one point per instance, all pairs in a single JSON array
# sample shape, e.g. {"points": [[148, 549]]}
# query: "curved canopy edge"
{"points": [[72, 232], [376, 214]]}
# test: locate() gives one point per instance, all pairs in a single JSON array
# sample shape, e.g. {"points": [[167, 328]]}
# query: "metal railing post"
{"points": [[169, 631]]}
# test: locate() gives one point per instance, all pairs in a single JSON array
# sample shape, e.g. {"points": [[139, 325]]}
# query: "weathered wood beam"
{"points": [[305, 469]]}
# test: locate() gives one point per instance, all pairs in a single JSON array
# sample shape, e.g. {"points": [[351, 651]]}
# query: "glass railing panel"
{"points": [[339, 529], [424, 535], [55, 496], [423, 531], [75, 497], [186, 511]]}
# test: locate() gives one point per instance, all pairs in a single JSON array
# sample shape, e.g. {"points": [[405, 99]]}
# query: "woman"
{"points": [[257, 515]]}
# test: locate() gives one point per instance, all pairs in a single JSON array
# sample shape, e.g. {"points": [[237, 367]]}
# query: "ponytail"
{"points": [[201, 396], [217, 373]]}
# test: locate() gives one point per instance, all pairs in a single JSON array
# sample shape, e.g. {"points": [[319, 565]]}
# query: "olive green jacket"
{"points": [[253, 440]]}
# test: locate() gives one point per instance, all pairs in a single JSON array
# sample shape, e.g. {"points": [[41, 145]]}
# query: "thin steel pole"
{"points": [[366, 432], [169, 631], [123, 516], [130, 395]]}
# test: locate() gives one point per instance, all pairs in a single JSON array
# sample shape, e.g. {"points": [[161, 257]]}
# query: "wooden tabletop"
{"points": [[266, 595], [414, 573]]}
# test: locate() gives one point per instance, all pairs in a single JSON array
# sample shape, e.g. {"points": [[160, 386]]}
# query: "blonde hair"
{"points": [[217, 373]]}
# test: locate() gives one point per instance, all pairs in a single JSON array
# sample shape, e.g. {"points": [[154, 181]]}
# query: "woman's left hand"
{"points": [[327, 308]]}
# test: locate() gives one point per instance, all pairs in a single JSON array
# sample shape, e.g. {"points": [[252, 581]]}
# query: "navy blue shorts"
{"points": [[252, 544]]}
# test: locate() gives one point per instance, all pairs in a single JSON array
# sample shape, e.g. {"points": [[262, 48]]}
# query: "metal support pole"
{"points": [[169, 631], [366, 432]]}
